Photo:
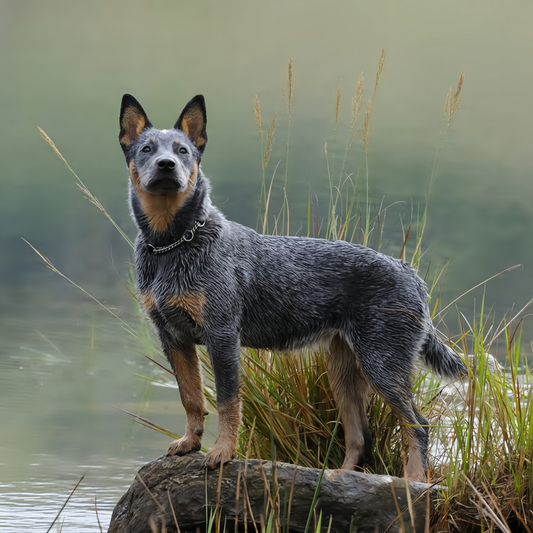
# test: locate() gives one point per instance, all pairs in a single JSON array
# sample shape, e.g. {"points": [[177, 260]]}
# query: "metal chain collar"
{"points": [[187, 236]]}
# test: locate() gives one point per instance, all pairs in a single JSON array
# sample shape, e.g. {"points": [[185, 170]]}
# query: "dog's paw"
{"points": [[348, 465], [183, 446], [421, 477], [219, 454]]}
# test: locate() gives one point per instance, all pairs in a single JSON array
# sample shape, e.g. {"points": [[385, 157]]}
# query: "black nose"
{"points": [[166, 164]]}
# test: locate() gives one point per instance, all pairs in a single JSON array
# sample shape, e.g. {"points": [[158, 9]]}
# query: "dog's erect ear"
{"points": [[133, 120], [193, 121]]}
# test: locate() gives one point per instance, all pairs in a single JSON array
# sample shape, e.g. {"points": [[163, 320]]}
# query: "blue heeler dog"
{"points": [[203, 280]]}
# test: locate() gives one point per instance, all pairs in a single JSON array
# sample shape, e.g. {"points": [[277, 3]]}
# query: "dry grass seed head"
{"points": [[80, 184], [380, 68], [453, 103], [357, 101], [257, 111], [289, 87], [459, 87], [365, 134], [338, 102], [269, 142], [52, 145]]}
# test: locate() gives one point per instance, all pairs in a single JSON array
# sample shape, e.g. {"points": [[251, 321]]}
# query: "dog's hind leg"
{"points": [[418, 437], [350, 390], [389, 374]]}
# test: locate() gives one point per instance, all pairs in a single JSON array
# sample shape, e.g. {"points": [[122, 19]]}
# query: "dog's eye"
{"points": [[146, 149], [183, 150]]}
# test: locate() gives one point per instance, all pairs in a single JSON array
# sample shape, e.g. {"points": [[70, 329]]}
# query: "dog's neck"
{"points": [[195, 209]]}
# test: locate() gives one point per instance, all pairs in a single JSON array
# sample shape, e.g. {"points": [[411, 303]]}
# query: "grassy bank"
{"points": [[480, 435]]}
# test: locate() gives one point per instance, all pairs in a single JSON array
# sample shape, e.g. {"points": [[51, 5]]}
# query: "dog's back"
{"points": [[289, 292]]}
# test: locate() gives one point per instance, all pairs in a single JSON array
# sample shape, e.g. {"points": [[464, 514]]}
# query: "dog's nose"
{"points": [[166, 164]]}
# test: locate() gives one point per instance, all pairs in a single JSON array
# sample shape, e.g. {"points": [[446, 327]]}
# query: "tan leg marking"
{"points": [[193, 303], [414, 469], [229, 419], [188, 374], [160, 210], [350, 389]]}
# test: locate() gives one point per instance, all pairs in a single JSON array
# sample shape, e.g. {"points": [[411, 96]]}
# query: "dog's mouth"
{"points": [[163, 186]]}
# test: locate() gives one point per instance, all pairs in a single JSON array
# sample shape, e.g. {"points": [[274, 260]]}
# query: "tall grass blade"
{"points": [[84, 189], [65, 503]]}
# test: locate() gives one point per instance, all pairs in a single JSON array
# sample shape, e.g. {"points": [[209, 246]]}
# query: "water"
{"points": [[64, 362], [32, 505], [67, 369]]}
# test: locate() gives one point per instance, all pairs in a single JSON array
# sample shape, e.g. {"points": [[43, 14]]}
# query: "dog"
{"points": [[203, 280]]}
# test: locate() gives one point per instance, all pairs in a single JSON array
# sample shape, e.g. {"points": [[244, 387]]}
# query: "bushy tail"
{"points": [[441, 359]]}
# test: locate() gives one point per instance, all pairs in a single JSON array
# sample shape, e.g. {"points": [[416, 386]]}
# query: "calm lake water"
{"points": [[65, 363]]}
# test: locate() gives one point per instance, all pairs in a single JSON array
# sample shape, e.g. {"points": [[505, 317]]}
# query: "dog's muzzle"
{"points": [[164, 179]]}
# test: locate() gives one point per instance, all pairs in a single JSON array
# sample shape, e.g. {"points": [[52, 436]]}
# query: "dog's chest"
{"points": [[181, 313], [170, 300]]}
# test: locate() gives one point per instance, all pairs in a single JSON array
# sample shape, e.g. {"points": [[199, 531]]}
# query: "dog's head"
{"points": [[163, 162]]}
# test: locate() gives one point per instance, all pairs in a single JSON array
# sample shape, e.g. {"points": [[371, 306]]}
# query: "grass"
{"points": [[481, 430], [480, 438]]}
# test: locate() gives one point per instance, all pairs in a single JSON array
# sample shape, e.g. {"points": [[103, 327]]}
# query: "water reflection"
{"points": [[33, 505]]}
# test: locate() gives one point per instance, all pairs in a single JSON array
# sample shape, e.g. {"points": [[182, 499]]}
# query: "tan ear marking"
{"points": [[200, 141], [193, 125], [133, 123]]}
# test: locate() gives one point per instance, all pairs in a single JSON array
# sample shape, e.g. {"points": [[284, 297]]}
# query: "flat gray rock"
{"points": [[178, 489]]}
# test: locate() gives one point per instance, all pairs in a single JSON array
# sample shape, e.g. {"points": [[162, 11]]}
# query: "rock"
{"points": [[180, 486]]}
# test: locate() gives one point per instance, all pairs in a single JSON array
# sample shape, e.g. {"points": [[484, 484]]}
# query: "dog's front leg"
{"points": [[186, 365], [224, 352]]}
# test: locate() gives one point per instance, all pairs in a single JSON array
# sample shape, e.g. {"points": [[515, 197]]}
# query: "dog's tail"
{"points": [[441, 359]]}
